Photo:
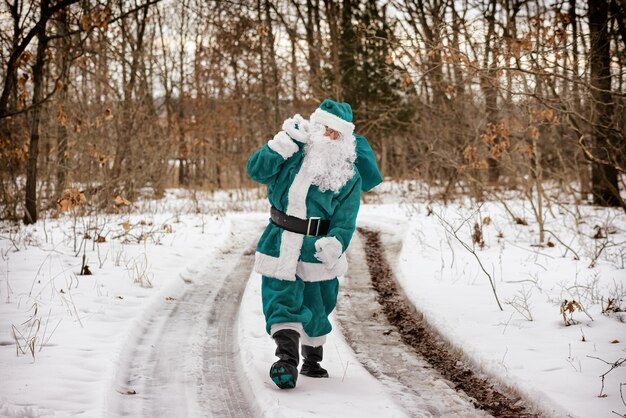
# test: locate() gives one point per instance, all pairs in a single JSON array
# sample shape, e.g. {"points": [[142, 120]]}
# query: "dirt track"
{"points": [[415, 333]]}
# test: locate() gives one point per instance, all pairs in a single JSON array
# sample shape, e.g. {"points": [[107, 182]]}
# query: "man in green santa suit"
{"points": [[314, 190]]}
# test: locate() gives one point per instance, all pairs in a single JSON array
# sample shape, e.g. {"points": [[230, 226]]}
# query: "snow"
{"points": [[82, 324], [86, 319], [542, 358]]}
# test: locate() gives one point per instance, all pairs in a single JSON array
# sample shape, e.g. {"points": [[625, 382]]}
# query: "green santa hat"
{"points": [[337, 116]]}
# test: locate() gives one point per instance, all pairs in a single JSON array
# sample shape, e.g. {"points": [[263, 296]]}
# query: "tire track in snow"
{"points": [[413, 382], [485, 393], [183, 360]]}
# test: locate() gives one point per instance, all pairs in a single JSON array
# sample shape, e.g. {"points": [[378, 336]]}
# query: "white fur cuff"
{"points": [[334, 122], [295, 326], [283, 144], [329, 250]]}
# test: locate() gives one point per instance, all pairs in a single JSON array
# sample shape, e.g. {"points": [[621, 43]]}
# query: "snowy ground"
{"points": [[73, 333]]}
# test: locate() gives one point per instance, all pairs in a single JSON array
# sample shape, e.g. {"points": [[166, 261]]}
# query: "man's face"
{"points": [[332, 134]]}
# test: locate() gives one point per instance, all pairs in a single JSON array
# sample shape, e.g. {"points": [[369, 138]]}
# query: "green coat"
{"points": [[282, 254]]}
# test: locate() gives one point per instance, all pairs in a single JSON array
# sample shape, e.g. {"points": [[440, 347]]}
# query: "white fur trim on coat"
{"points": [[301, 133], [285, 266], [317, 272], [304, 337], [309, 272], [335, 122], [299, 189], [283, 144]]}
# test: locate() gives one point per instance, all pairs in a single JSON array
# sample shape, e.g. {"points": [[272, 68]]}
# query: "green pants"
{"points": [[308, 303]]}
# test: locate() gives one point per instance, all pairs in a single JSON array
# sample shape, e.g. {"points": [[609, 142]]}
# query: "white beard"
{"points": [[330, 162]]}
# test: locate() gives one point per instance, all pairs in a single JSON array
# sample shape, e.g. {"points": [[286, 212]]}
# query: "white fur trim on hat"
{"points": [[283, 144], [334, 122]]}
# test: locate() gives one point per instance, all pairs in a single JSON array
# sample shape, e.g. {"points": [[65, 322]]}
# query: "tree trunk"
{"points": [[123, 150], [11, 71], [183, 163], [603, 175], [63, 27], [459, 82], [582, 163], [348, 46], [332, 15], [488, 85], [294, 65], [312, 17], [273, 64], [432, 33], [33, 148], [618, 13], [262, 68]]}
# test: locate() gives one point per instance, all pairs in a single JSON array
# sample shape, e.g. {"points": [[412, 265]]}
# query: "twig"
{"points": [[520, 303], [44, 340], [451, 230], [614, 365], [37, 275], [598, 253], [345, 371], [576, 257]]}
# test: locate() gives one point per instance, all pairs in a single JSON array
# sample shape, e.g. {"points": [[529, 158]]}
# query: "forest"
{"points": [[484, 277], [126, 98]]}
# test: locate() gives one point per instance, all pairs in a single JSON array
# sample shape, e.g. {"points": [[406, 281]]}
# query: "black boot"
{"points": [[285, 371], [311, 364]]}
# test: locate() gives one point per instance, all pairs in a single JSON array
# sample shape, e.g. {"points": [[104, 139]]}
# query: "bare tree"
{"points": [[604, 174]]}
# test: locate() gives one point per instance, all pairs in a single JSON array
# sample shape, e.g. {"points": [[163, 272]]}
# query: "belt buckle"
{"points": [[308, 226]]}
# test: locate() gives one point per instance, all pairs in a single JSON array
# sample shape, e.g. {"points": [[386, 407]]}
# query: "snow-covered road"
{"points": [[186, 357], [182, 360]]}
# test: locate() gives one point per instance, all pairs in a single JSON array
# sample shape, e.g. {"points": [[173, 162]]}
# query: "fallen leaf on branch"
{"points": [[120, 201], [70, 199]]}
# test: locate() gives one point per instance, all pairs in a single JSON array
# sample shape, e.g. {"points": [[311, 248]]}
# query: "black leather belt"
{"points": [[313, 226]]}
